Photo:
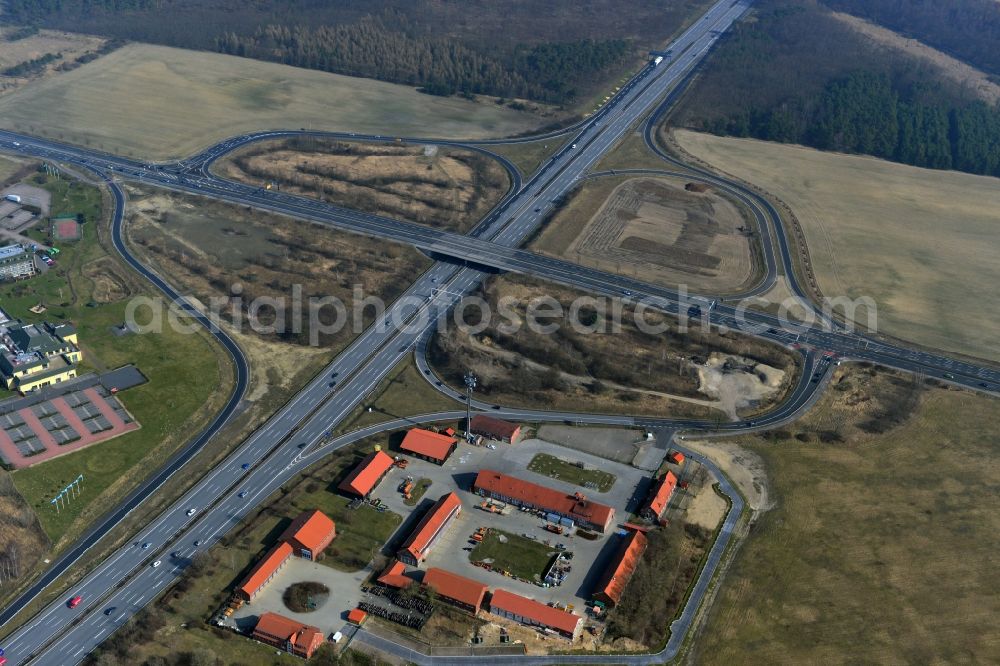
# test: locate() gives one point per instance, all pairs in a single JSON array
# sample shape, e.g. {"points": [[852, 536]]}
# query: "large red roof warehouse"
{"points": [[611, 588], [576, 506]]}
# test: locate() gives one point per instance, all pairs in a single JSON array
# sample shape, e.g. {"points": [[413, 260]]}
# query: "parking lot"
{"points": [[590, 558], [345, 592]]}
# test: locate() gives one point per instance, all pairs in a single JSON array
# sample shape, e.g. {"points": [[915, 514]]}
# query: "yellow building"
{"points": [[33, 356]]}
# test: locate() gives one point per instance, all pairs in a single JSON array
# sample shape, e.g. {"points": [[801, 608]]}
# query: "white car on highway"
{"points": [[155, 564], [191, 511]]}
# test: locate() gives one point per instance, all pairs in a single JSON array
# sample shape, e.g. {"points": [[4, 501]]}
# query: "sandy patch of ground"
{"points": [[741, 466], [580, 381], [969, 77], [440, 187], [738, 383], [109, 287], [707, 508]]}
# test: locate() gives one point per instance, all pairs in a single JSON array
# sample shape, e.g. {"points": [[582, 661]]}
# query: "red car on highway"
{"points": [[75, 601]]}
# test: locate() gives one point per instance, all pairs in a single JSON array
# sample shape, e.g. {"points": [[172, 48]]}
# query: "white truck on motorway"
{"points": [[13, 197]]}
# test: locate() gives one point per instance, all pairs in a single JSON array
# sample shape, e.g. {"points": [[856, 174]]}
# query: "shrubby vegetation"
{"points": [[797, 75], [33, 66]]}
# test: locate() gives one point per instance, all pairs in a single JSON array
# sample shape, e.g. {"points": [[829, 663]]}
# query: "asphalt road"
{"points": [[297, 435]]}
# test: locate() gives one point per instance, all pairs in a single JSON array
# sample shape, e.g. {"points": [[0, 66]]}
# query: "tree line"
{"points": [[375, 49], [797, 75], [863, 113]]}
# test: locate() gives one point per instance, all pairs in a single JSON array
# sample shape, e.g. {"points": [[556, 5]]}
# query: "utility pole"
{"points": [[470, 384]]}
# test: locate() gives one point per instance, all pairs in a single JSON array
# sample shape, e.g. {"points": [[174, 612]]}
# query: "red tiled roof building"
{"points": [[611, 587], [291, 636], [367, 475], [524, 493], [457, 590], [431, 446], [309, 534], [536, 614], [429, 529], [264, 571], [494, 428], [395, 576], [659, 497]]}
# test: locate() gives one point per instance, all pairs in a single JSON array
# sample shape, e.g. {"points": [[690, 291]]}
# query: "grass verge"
{"points": [[513, 554]]}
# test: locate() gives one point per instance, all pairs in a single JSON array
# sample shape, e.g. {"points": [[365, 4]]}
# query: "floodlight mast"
{"points": [[470, 385]]}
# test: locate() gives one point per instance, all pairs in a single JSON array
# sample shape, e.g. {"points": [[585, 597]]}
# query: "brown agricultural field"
{"points": [[158, 103], [880, 544], [921, 243], [438, 186], [658, 229], [699, 373]]}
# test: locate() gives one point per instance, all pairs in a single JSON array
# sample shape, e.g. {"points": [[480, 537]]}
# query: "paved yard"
{"points": [[618, 444], [344, 594]]}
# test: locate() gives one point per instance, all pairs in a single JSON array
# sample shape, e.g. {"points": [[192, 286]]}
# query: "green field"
{"points": [[881, 547], [188, 377], [361, 532], [521, 557], [403, 393], [156, 102], [530, 155], [557, 468]]}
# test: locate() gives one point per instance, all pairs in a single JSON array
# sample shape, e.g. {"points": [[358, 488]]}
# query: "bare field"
{"points": [[699, 373], [880, 547], [923, 244], [654, 229], [438, 186], [160, 103]]}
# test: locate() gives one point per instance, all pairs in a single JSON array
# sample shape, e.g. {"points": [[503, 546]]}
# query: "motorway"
{"points": [[298, 434]]}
